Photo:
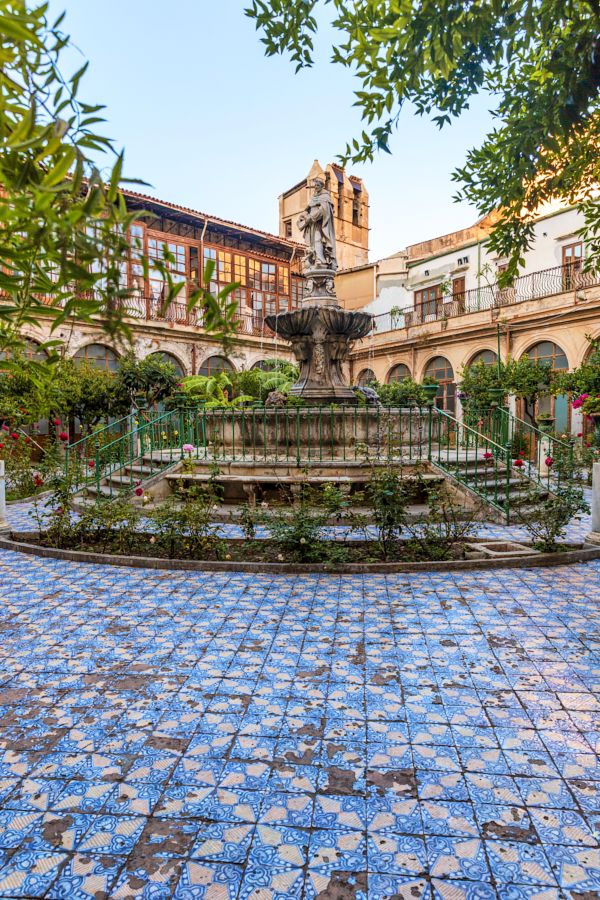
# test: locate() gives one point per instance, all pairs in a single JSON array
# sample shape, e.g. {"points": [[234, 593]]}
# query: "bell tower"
{"points": [[351, 212]]}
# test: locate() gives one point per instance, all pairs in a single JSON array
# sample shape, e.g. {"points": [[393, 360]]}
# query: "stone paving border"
{"points": [[584, 553]]}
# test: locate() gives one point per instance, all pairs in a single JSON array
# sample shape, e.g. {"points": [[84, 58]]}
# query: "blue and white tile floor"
{"points": [[219, 736]]}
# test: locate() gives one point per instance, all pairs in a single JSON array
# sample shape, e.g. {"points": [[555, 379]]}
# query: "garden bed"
{"points": [[262, 556]]}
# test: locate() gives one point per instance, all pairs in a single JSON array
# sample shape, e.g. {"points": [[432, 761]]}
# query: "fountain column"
{"points": [[320, 332]]}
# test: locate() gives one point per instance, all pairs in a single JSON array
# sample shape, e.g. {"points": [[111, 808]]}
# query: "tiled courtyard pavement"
{"points": [[219, 736]]}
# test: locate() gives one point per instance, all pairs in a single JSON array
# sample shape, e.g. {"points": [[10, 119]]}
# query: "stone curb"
{"points": [[43, 496], [584, 554]]}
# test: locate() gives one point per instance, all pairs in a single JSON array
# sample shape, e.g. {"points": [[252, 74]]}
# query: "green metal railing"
{"points": [[145, 451], [308, 435], [80, 456], [474, 460], [481, 459], [533, 446]]}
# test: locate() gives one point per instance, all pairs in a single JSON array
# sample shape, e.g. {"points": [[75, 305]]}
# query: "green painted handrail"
{"points": [[534, 446], [307, 437], [487, 467], [80, 453]]}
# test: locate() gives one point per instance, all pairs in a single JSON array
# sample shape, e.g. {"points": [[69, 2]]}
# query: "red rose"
{"points": [[488, 455], [38, 481], [63, 436], [518, 463], [5, 428], [15, 436], [139, 491], [549, 461], [56, 421], [1, 446], [580, 434], [27, 440], [91, 463]]}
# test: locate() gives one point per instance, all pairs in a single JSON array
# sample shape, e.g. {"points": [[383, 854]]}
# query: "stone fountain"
{"points": [[320, 332]]}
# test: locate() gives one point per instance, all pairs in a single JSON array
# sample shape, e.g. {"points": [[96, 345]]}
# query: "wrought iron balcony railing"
{"points": [[536, 285]]}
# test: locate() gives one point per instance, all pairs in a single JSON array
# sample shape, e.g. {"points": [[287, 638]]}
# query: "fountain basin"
{"points": [[321, 338]]}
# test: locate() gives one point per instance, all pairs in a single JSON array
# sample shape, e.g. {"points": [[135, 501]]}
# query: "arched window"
{"points": [[485, 356], [215, 364], [265, 365], [365, 377], [399, 372], [98, 355], [549, 352], [30, 351], [558, 407], [168, 357], [440, 369]]}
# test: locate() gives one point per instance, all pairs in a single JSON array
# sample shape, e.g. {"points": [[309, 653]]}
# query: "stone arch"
{"points": [[99, 355], [547, 349], [556, 406], [485, 354], [216, 363], [167, 356], [364, 377], [398, 372], [440, 368]]}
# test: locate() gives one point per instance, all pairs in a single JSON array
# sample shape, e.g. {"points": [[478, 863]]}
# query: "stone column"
{"points": [[594, 537], [4, 526]]}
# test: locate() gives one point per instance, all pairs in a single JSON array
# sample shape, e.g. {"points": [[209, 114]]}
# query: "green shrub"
{"points": [[296, 528], [448, 522], [388, 497], [546, 519]]}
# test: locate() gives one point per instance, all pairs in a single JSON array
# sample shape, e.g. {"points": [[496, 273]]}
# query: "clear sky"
{"points": [[211, 123]]}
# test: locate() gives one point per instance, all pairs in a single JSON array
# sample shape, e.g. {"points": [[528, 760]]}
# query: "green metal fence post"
{"points": [[429, 428], [507, 481]]}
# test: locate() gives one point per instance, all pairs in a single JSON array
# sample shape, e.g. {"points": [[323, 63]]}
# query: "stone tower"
{"points": [[351, 212]]}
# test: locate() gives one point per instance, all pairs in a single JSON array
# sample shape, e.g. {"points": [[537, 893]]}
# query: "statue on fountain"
{"points": [[320, 331], [317, 225]]}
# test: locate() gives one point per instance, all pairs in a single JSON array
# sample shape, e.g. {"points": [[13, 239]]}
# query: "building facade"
{"points": [[438, 308], [437, 304], [267, 267]]}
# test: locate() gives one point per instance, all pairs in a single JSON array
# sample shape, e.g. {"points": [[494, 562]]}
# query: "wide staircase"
{"points": [[503, 464], [510, 465]]}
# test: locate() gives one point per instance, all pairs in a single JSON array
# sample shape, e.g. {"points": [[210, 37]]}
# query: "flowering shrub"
{"points": [[296, 527], [579, 401], [22, 475]]}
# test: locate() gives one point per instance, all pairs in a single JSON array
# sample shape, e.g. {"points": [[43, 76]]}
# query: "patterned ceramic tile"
{"points": [[87, 877], [221, 736], [30, 873]]}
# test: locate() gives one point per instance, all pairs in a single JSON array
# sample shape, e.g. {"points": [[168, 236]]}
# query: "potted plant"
{"points": [[430, 388], [545, 422], [496, 395]]}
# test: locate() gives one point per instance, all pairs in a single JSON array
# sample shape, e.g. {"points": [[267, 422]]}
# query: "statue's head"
{"points": [[318, 184]]}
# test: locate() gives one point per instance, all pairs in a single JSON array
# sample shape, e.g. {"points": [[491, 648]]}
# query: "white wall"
{"points": [[555, 229]]}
